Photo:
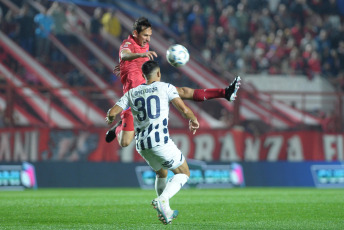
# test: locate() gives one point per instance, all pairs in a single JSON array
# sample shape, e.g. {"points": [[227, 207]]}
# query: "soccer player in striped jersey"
{"points": [[133, 52], [149, 104]]}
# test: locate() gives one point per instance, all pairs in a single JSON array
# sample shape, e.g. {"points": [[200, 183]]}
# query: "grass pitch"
{"points": [[248, 208]]}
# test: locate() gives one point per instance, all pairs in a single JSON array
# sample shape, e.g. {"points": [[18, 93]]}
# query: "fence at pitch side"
{"points": [[203, 175]]}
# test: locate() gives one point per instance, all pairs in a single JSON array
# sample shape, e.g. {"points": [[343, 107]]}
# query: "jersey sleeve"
{"points": [[171, 92], [124, 101], [126, 46]]}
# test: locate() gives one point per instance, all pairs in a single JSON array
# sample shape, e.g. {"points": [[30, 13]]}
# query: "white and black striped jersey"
{"points": [[150, 108]]}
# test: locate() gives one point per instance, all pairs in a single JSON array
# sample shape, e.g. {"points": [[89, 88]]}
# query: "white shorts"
{"points": [[166, 156]]}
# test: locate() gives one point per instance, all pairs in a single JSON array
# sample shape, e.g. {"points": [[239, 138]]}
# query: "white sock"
{"points": [[174, 185], [160, 184]]}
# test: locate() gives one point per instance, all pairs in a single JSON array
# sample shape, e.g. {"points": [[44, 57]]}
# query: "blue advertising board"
{"points": [[202, 175], [17, 177], [328, 176]]}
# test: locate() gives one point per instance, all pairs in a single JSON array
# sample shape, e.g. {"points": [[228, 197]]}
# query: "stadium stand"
{"points": [[266, 36], [240, 37]]}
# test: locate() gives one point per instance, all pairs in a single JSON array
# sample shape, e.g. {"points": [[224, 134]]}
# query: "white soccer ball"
{"points": [[177, 55]]}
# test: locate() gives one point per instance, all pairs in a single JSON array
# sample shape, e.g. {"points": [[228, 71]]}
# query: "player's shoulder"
{"points": [[165, 88], [164, 84], [127, 43]]}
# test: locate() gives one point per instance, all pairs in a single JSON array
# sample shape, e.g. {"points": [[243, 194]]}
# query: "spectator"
{"points": [[73, 21], [266, 20], [45, 24], [197, 33], [296, 63], [96, 25], [326, 63], [25, 31], [195, 13], [322, 42], [60, 21], [242, 19], [314, 64], [74, 25], [59, 29], [179, 27], [111, 23]]}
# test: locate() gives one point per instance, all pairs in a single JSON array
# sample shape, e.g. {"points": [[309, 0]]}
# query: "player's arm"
{"points": [[185, 93], [112, 113], [127, 55], [187, 113]]}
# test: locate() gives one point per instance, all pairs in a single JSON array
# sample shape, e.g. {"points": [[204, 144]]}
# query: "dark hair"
{"points": [[141, 24], [148, 67]]}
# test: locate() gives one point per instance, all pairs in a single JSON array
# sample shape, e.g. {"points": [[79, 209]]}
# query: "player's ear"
{"points": [[135, 33]]}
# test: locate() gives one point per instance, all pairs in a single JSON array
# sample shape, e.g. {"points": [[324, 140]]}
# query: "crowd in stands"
{"points": [[241, 36], [288, 37], [31, 29], [261, 36]]}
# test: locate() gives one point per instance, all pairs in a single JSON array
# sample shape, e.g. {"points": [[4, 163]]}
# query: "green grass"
{"points": [[249, 208]]}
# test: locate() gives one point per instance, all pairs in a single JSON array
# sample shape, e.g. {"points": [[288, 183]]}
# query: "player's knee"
{"points": [[185, 171], [162, 173], [124, 143]]}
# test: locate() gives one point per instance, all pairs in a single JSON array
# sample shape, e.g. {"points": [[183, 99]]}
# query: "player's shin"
{"points": [[160, 184], [174, 185]]}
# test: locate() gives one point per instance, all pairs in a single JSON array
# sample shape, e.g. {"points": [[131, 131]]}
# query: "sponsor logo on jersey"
{"points": [[168, 164]]}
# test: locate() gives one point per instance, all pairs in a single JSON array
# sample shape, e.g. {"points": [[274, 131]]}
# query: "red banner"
{"points": [[33, 144]]}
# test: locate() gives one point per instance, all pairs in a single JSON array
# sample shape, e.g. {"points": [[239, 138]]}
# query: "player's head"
{"points": [[142, 31], [151, 70]]}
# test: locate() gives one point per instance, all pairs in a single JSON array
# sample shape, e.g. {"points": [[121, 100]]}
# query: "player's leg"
{"points": [[155, 162], [123, 130], [111, 133], [160, 181], [173, 186], [181, 176], [206, 94], [127, 125], [170, 157], [125, 138]]}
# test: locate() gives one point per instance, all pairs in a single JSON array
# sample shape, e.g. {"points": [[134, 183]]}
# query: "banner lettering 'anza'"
{"points": [[35, 144]]}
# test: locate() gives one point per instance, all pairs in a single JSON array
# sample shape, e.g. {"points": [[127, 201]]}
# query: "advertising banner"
{"points": [[201, 175], [17, 177], [328, 176], [43, 144]]}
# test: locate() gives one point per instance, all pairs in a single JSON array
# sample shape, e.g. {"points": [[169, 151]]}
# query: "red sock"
{"points": [[206, 94]]}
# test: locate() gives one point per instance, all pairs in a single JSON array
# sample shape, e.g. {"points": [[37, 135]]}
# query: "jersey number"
{"points": [[140, 103]]}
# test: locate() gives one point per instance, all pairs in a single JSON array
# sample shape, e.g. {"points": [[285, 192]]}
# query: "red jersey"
{"points": [[131, 72]]}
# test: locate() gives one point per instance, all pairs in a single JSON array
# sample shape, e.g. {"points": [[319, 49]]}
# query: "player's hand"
{"points": [[193, 126], [116, 70], [150, 55], [109, 119]]}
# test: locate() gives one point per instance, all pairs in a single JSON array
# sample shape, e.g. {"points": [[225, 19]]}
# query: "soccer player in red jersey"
{"points": [[133, 52]]}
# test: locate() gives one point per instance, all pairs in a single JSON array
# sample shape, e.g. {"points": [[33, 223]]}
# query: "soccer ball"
{"points": [[177, 55]]}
